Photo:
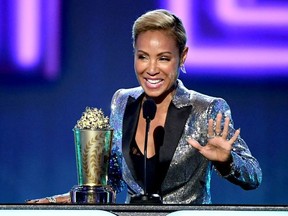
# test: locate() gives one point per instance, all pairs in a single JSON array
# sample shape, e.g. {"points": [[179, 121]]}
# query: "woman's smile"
{"points": [[154, 83]]}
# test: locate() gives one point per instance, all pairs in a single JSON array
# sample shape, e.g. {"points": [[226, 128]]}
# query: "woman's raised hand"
{"points": [[218, 147]]}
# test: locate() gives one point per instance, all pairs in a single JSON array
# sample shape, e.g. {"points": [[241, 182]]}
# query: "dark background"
{"points": [[37, 157]]}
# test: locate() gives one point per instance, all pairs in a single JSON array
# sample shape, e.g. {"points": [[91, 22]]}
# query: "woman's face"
{"points": [[156, 62]]}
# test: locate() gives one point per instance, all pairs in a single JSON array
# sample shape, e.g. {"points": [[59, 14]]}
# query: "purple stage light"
{"points": [[1, 26], [30, 38], [221, 55], [27, 26], [229, 12]]}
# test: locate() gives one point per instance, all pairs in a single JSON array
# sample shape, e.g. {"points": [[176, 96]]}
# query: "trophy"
{"points": [[93, 140]]}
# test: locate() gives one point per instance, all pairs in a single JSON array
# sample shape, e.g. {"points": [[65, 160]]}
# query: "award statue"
{"points": [[93, 140]]}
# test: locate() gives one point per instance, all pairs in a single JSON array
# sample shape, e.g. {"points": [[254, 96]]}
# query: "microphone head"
{"points": [[149, 109]]}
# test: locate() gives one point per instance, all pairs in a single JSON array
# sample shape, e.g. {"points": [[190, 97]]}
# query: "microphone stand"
{"points": [[146, 198], [145, 154]]}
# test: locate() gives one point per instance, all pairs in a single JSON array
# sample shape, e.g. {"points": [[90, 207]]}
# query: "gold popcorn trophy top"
{"points": [[94, 119]]}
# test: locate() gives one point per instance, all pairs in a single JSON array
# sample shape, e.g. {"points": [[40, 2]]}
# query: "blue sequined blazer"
{"points": [[188, 173]]}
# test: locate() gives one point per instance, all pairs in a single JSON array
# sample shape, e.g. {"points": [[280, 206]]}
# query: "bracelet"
{"points": [[51, 199]]}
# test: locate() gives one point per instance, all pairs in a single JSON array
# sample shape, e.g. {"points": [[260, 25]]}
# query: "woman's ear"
{"points": [[184, 56]]}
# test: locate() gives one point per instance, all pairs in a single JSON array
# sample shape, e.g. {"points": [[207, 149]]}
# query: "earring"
{"points": [[182, 68]]}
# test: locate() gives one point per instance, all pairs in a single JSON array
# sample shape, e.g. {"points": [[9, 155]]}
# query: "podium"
{"points": [[154, 210]]}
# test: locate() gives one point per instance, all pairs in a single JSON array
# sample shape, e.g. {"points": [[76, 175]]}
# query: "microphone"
{"points": [[149, 110]]}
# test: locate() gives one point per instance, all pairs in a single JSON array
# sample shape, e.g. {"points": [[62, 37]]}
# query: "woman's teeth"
{"points": [[154, 81]]}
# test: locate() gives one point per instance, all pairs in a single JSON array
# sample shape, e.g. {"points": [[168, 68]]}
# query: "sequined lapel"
{"points": [[174, 127]]}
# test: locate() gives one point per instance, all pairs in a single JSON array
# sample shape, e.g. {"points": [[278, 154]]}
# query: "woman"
{"points": [[181, 148], [191, 132]]}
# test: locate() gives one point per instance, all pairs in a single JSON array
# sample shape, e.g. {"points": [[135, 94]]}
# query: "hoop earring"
{"points": [[183, 69]]}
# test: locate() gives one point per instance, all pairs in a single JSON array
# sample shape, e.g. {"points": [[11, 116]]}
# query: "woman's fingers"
{"points": [[38, 201], [226, 128], [63, 198], [235, 136], [210, 128], [218, 124], [218, 146]]}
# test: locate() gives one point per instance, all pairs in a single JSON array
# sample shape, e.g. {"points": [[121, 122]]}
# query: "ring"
{"points": [[51, 199], [218, 134], [210, 137]]}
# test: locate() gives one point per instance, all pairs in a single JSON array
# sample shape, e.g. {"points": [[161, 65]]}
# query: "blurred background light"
{"points": [[27, 30], [30, 38], [209, 36], [230, 12]]}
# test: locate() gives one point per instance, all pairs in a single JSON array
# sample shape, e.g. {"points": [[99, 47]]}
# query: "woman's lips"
{"points": [[154, 83]]}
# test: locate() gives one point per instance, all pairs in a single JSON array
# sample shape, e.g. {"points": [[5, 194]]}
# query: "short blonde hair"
{"points": [[161, 20]]}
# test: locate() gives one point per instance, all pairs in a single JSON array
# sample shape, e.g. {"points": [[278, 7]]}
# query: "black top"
{"points": [[153, 175]]}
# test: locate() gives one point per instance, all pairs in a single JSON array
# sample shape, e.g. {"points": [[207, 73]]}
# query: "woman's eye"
{"points": [[164, 58], [142, 57]]}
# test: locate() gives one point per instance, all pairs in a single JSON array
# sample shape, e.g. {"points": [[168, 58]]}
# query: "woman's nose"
{"points": [[152, 69]]}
